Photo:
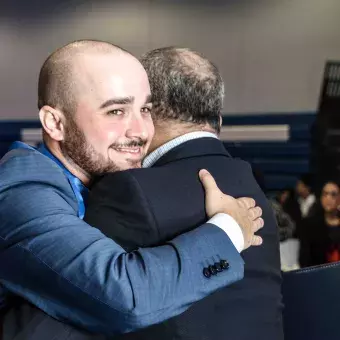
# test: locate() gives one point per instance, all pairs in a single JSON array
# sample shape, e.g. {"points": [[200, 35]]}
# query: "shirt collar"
{"points": [[78, 187], [308, 200], [80, 190], [155, 155]]}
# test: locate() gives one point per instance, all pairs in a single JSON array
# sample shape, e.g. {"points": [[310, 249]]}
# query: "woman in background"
{"points": [[320, 233]]}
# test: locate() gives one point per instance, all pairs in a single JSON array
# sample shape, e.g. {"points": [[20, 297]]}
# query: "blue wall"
{"points": [[10, 131], [280, 162]]}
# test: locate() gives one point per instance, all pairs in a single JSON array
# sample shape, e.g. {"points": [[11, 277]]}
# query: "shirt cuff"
{"points": [[231, 228]]}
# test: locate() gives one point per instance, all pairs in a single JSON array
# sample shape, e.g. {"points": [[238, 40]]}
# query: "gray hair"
{"points": [[185, 86]]}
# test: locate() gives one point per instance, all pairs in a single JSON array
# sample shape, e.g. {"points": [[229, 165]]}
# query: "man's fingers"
{"points": [[257, 225], [207, 180], [247, 202], [255, 213], [256, 241]]}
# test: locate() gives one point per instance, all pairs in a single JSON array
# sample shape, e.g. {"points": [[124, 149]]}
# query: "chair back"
{"points": [[312, 303]]}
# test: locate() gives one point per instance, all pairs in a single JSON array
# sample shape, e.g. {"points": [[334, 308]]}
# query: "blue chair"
{"points": [[312, 303]]}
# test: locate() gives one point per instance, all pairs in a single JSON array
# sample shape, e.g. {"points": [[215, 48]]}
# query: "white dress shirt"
{"points": [[223, 221], [306, 204]]}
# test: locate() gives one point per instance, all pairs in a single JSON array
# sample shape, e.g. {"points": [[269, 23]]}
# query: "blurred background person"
{"points": [[305, 196], [284, 221], [320, 233], [289, 247], [287, 198]]}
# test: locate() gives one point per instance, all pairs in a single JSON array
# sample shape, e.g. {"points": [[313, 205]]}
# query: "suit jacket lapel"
{"points": [[194, 148]]}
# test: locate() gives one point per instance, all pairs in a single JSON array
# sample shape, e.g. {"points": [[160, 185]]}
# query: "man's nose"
{"points": [[137, 128]]}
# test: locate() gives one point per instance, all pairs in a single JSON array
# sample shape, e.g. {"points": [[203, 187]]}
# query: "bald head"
{"points": [[186, 87], [60, 75], [94, 106]]}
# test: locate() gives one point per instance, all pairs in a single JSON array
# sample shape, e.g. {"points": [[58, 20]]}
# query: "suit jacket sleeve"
{"points": [[74, 273]]}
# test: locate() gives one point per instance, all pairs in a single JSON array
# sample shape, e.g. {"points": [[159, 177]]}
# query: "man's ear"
{"points": [[221, 121], [52, 121]]}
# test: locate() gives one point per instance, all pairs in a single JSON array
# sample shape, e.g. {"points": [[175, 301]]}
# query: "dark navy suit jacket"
{"points": [[168, 198]]}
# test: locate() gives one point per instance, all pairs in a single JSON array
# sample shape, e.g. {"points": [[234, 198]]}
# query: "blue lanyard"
{"points": [[80, 191]]}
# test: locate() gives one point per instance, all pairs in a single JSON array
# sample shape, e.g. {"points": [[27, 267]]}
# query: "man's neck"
{"points": [[332, 218], [304, 198], [68, 163], [167, 132], [166, 147]]}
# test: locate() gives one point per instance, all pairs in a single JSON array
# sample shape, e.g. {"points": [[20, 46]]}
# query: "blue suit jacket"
{"points": [[151, 206], [74, 273]]}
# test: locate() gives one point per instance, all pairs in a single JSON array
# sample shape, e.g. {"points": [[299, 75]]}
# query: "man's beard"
{"points": [[81, 153]]}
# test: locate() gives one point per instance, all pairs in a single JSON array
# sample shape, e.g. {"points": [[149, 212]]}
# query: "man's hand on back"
{"points": [[243, 210]]}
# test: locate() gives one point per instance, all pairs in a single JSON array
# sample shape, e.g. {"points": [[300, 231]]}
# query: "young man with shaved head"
{"points": [[164, 199], [95, 109]]}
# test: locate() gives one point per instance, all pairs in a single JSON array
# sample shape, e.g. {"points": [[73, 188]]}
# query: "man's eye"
{"points": [[115, 112], [146, 109]]}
